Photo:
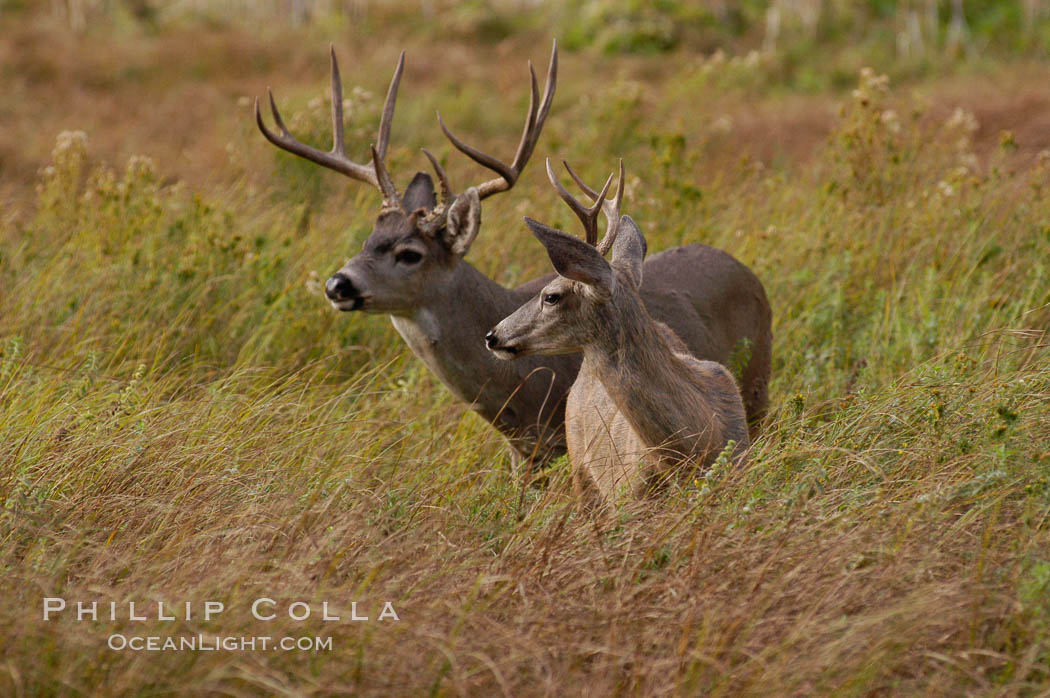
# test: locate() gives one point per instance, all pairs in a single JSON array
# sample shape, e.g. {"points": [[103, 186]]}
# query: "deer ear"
{"points": [[629, 249], [463, 222], [572, 257], [420, 194]]}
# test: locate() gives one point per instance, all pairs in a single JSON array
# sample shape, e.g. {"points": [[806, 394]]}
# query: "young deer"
{"points": [[412, 268], [641, 403]]}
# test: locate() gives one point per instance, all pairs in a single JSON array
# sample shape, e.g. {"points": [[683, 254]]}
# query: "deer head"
{"points": [[416, 240], [575, 308]]}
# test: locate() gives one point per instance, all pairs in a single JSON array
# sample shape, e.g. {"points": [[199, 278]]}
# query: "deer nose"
{"points": [[491, 341], [340, 288]]}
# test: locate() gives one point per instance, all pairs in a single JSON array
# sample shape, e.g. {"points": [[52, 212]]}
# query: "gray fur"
{"points": [[463, 223], [572, 257], [420, 193], [628, 250], [443, 307]]}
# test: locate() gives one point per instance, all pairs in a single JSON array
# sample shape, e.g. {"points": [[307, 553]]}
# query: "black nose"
{"points": [[340, 288], [490, 339]]}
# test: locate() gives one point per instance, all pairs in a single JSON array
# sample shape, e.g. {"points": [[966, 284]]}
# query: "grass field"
{"points": [[184, 418]]}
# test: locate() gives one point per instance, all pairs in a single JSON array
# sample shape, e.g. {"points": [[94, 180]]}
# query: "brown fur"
{"points": [[639, 409], [641, 404]]}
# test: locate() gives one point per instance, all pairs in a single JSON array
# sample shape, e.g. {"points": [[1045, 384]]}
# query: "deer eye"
{"points": [[551, 298], [407, 257]]}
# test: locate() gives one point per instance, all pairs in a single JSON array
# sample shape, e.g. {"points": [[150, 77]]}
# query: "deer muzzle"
{"points": [[342, 293], [502, 351]]}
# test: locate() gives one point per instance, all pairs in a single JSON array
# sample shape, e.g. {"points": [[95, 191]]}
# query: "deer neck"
{"points": [[637, 365], [447, 333]]}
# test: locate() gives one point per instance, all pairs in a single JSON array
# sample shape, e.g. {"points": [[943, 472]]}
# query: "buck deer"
{"points": [[641, 403], [412, 268]]}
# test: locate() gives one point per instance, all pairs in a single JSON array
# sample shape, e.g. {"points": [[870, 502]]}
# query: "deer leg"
{"points": [[516, 460], [586, 490]]}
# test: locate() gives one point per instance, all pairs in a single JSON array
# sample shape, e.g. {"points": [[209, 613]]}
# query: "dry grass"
{"points": [[183, 418]]}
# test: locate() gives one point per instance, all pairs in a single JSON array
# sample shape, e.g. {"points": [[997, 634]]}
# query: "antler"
{"points": [[508, 174], [589, 216], [336, 159]]}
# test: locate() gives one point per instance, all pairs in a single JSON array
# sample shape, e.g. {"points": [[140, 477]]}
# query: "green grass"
{"points": [[182, 417]]}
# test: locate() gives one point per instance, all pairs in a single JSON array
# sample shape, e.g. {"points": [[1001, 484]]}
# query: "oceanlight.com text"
{"points": [[216, 643]]}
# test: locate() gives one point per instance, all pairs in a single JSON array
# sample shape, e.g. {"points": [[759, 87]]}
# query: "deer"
{"points": [[412, 267], [642, 405]]}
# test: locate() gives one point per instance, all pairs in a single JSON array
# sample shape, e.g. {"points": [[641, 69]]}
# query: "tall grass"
{"points": [[183, 418]]}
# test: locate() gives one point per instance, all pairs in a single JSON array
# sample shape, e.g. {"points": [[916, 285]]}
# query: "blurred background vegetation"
{"points": [[781, 47], [922, 32]]}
